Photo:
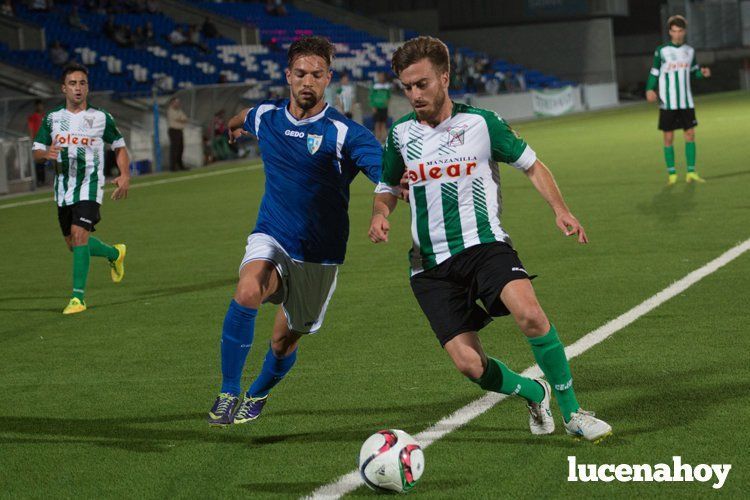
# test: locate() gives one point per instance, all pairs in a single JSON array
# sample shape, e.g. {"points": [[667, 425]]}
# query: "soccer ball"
{"points": [[391, 460]]}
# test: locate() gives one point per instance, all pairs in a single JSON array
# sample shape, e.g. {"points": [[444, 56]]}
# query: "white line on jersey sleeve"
{"points": [[341, 130], [526, 160], [39, 146], [382, 187], [119, 143], [261, 109]]}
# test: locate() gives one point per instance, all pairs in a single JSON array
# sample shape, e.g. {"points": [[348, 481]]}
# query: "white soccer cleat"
{"points": [[585, 425], [540, 415]]}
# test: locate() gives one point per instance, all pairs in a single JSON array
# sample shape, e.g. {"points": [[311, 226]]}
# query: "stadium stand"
{"points": [[133, 68]]}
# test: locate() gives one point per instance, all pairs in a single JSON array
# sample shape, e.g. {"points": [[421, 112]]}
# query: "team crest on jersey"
{"points": [[313, 143], [456, 136]]}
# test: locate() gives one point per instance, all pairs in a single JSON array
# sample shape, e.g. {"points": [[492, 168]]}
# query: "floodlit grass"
{"points": [[111, 402]]}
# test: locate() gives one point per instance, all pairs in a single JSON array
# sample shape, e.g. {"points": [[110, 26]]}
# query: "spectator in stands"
{"points": [[380, 97], [98, 6], [275, 8], [521, 81], [331, 94], [345, 96], [177, 37], [7, 8], [194, 38], [220, 143], [139, 37], [40, 5], [33, 123], [176, 120], [208, 29], [124, 36], [109, 27], [74, 19], [148, 34], [57, 54], [152, 6]]}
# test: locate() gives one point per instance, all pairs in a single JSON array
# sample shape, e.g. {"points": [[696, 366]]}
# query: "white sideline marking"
{"points": [[188, 177], [462, 416]]}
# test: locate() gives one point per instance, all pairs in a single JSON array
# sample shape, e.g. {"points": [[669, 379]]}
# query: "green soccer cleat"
{"points": [[694, 177], [118, 265], [672, 180], [75, 306]]}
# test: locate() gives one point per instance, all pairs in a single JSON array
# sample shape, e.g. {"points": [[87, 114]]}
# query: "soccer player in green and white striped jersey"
{"points": [[73, 135], [674, 65], [449, 153]]}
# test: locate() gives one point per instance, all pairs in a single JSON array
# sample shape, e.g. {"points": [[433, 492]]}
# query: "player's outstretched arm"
{"points": [[544, 182], [235, 125], [383, 206], [122, 181]]}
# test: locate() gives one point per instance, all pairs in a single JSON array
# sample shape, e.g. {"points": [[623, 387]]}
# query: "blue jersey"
{"points": [[309, 165]]}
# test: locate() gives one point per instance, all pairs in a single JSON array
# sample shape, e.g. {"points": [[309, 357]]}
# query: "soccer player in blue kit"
{"points": [[311, 154]]}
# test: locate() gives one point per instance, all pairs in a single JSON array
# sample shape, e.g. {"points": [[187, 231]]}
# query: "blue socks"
{"points": [[236, 339], [271, 374]]}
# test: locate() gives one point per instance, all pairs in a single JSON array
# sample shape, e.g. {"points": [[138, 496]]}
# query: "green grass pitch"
{"points": [[111, 403]]}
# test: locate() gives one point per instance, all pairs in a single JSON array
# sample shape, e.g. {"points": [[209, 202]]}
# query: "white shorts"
{"points": [[306, 287]]}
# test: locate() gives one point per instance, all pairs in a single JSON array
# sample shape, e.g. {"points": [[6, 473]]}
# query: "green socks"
{"points": [[669, 159], [99, 249], [499, 378], [550, 356], [690, 156], [80, 270]]}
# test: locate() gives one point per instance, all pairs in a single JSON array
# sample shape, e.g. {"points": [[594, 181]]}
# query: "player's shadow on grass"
{"points": [[140, 297], [671, 203], [142, 435], [425, 487], [729, 175], [127, 434]]}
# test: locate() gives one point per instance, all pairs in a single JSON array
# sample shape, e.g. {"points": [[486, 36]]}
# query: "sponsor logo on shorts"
{"points": [[520, 269], [83, 219], [659, 473]]}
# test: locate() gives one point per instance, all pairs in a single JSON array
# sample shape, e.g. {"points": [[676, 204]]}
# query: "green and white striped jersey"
{"points": [[454, 180], [81, 160], [673, 66]]}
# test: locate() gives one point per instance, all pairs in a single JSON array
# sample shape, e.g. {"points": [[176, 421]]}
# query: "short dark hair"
{"points": [[72, 67], [422, 47], [311, 46], [678, 21]]}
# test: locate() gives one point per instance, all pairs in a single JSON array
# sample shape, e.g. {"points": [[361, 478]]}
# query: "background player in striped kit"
{"points": [[73, 135], [461, 253], [674, 65]]}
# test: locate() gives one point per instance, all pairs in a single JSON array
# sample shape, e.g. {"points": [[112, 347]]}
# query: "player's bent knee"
{"points": [[249, 295], [469, 366], [533, 322], [283, 347]]}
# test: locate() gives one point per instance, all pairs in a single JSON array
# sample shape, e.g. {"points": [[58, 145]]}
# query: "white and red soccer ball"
{"points": [[391, 460]]}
